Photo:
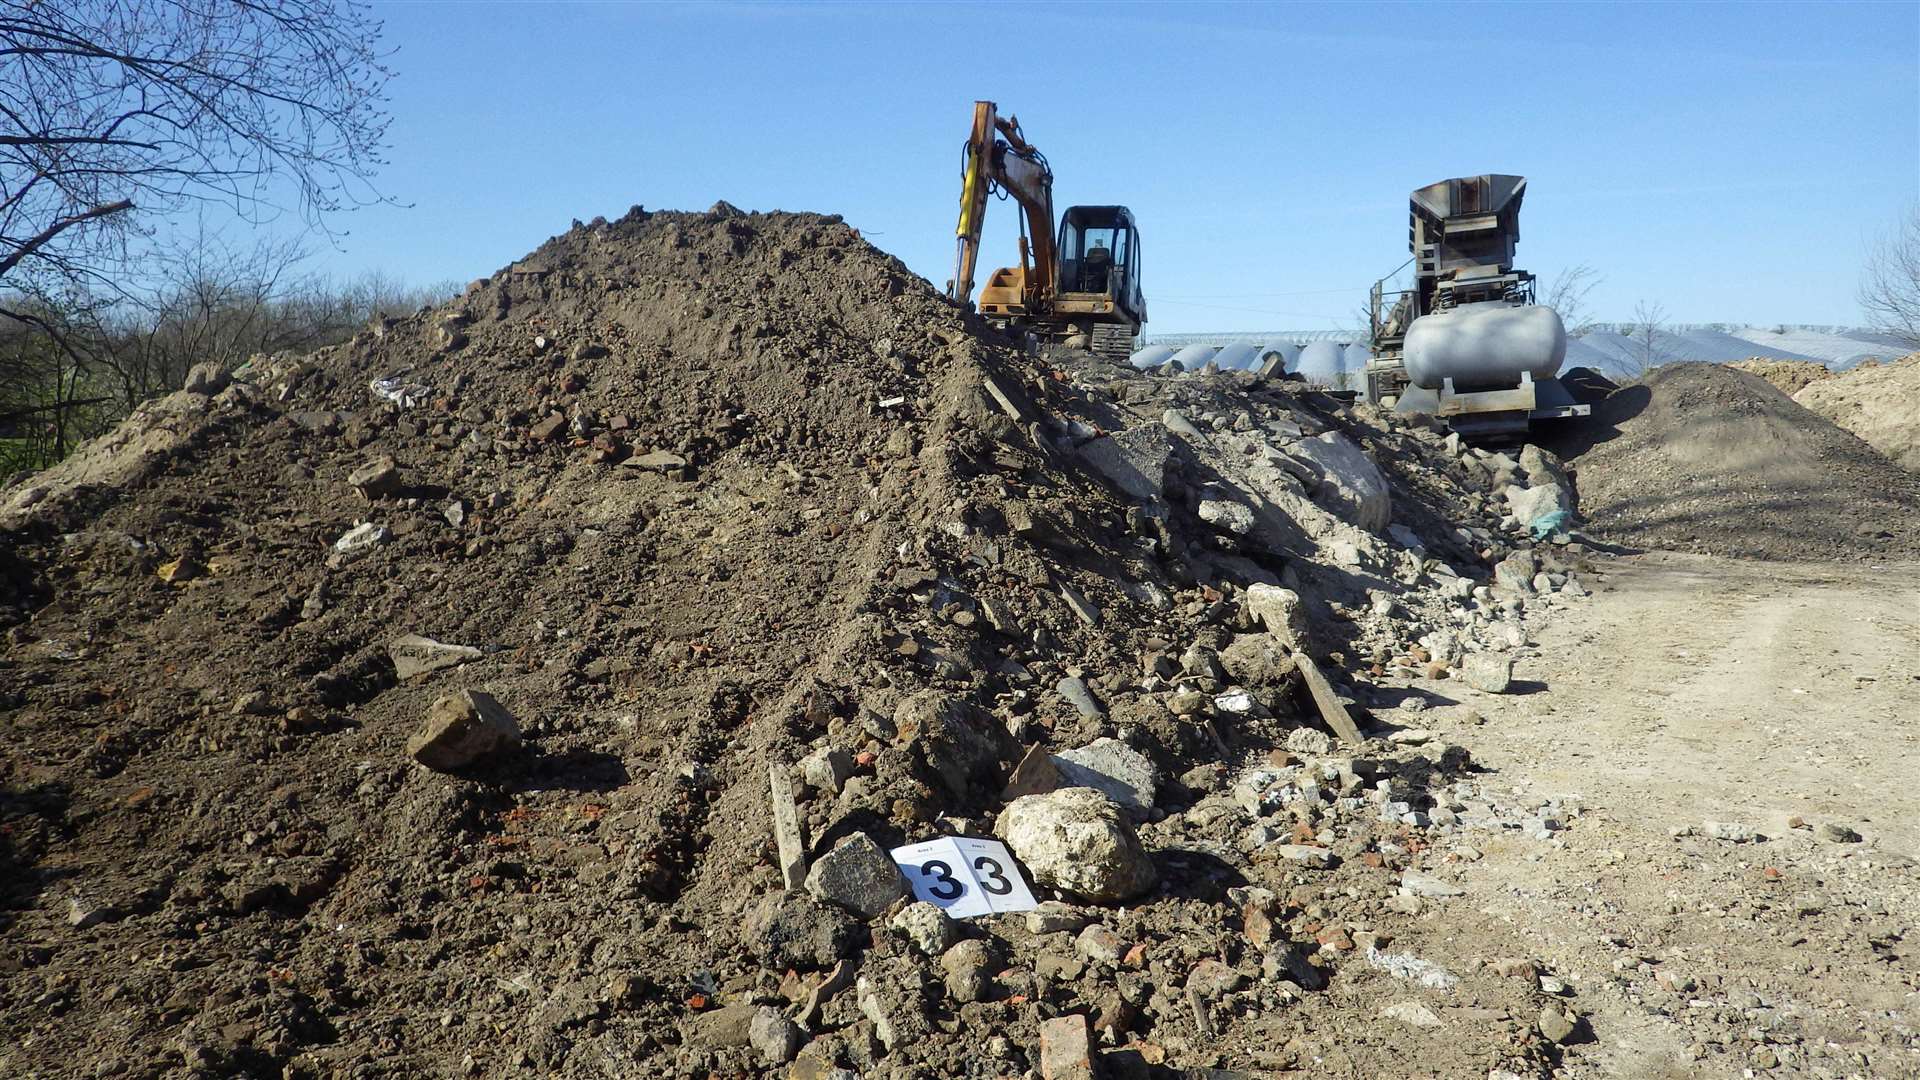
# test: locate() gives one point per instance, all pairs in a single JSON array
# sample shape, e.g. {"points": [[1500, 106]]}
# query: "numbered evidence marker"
{"points": [[964, 876]]}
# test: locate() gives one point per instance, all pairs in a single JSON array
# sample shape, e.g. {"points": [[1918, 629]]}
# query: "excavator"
{"points": [[1079, 286]]}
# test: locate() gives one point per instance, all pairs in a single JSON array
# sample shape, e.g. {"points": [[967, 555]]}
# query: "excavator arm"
{"points": [[999, 156]]}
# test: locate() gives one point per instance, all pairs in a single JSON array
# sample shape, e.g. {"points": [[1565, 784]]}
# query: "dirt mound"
{"points": [[1878, 402], [1787, 376], [1710, 459], [693, 496]]}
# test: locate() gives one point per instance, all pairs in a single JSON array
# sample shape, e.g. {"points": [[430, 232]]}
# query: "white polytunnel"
{"points": [[1288, 353], [1356, 357], [1194, 357], [1322, 363], [1235, 357], [1151, 357]]}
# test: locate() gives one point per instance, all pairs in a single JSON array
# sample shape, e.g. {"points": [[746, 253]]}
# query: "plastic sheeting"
{"points": [[1151, 357], [1323, 363], [1194, 357], [1236, 357]]}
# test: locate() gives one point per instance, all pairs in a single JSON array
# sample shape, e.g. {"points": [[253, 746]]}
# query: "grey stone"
{"points": [[1052, 916], [463, 728], [1117, 770], [1837, 833], [1416, 884], [1555, 1026], [1078, 841], [1082, 608], [208, 378], [930, 929], [1099, 944], [1280, 611], [82, 914], [776, 1038], [968, 970], [1515, 572], [827, 769], [1489, 672], [660, 461], [793, 930], [360, 537], [1529, 504], [731, 1025], [1077, 694], [1258, 660], [1310, 741], [1412, 1012], [1289, 962], [1733, 832], [1202, 661], [858, 875], [1227, 516], [1177, 422], [415, 655], [960, 745], [1318, 858], [1542, 466], [378, 477]]}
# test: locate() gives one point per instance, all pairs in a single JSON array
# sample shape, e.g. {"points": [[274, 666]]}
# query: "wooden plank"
{"points": [[1331, 711], [786, 828]]}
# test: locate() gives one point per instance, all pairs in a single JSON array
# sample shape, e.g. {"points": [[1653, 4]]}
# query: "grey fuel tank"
{"points": [[1485, 346]]}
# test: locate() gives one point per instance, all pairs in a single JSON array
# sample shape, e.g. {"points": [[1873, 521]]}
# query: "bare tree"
{"points": [[1890, 291], [1649, 321], [1567, 296], [116, 112]]}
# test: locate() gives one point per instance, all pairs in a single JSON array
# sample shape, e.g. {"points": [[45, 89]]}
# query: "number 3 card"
{"points": [[964, 876]]}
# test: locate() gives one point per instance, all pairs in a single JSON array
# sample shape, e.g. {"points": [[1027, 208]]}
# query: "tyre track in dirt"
{"points": [[1699, 689]]}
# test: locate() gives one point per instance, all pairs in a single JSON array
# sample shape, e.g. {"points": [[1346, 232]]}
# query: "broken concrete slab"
{"points": [[1134, 460], [786, 828], [1331, 710], [1123, 774], [416, 655], [1351, 485]]}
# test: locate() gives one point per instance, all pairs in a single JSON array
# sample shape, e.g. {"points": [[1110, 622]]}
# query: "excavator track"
{"points": [[1113, 341]]}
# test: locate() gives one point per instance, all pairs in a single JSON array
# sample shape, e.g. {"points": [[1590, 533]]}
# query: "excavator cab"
{"points": [[1099, 263]]}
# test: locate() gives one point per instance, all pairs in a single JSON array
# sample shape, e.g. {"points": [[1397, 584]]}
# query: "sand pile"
{"points": [[1787, 376], [1878, 402], [1710, 459], [690, 496]]}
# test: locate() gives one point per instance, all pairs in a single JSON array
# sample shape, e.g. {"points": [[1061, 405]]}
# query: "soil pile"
{"points": [[687, 498], [1714, 460], [1878, 402], [1787, 376]]}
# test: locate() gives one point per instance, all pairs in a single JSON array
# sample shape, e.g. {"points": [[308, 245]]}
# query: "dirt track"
{"points": [[1697, 689]]}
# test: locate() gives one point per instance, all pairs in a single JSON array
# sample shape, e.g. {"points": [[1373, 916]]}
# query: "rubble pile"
{"points": [[540, 685], [1709, 459]]}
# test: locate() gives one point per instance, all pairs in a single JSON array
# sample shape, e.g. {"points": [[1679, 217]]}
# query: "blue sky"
{"points": [[1731, 161]]}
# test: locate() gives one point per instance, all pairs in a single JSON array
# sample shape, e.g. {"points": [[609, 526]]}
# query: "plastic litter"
{"points": [[404, 394]]}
